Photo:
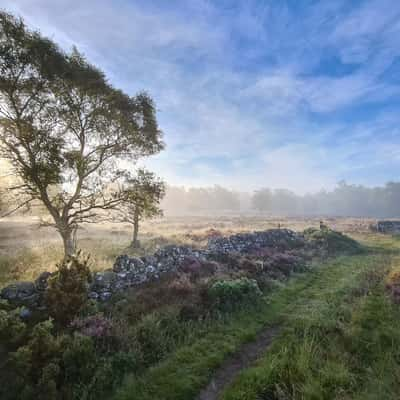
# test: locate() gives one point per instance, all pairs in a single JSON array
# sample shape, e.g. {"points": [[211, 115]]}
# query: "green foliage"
{"points": [[32, 369], [141, 199], [37, 363], [143, 195], [62, 122], [181, 375], [12, 329], [228, 295], [67, 291], [332, 241]]}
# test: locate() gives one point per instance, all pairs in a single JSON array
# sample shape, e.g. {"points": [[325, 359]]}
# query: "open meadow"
{"points": [[27, 249]]}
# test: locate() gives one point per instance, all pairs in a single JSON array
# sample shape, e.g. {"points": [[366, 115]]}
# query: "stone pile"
{"points": [[249, 242], [385, 226], [133, 271]]}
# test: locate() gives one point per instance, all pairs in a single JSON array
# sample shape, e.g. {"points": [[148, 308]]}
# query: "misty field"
{"points": [[319, 320], [26, 249]]}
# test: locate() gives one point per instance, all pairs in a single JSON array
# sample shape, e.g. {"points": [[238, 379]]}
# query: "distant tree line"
{"points": [[344, 200]]}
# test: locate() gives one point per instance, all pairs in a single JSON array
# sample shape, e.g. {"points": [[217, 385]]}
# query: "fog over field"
{"points": [[344, 200]]}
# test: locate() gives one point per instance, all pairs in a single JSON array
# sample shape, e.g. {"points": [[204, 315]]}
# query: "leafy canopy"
{"points": [[142, 197], [64, 128]]}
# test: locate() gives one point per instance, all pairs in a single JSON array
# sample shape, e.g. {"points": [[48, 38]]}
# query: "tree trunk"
{"points": [[135, 242], [69, 242]]}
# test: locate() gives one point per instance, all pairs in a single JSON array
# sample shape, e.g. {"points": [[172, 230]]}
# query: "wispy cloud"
{"points": [[250, 93]]}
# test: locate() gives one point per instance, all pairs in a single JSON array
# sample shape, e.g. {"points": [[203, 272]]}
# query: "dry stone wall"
{"points": [[386, 226], [133, 271]]}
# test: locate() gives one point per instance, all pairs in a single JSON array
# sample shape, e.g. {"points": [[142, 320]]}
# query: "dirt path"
{"points": [[232, 366]]}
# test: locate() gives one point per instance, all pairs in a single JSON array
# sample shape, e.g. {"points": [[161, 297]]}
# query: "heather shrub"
{"points": [[285, 263], [171, 290], [68, 289], [37, 363], [228, 295], [96, 326]]}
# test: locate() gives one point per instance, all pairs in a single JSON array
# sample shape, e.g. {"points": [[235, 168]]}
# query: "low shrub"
{"points": [[229, 295], [36, 368], [38, 363], [67, 290]]}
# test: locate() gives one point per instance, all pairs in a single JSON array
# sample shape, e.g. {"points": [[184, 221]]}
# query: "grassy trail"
{"points": [[305, 362], [342, 339], [242, 359]]}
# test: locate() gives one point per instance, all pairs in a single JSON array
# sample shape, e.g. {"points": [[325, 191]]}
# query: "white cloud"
{"points": [[367, 33], [201, 63]]}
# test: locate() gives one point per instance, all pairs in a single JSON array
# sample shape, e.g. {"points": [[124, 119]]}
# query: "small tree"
{"points": [[141, 199], [68, 289], [63, 126]]}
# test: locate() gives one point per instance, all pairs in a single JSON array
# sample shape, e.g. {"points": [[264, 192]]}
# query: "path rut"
{"points": [[247, 355]]}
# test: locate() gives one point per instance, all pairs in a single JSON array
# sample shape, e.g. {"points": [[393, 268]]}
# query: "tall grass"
{"points": [[345, 345]]}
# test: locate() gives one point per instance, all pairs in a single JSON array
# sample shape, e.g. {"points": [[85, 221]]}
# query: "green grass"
{"points": [[333, 241], [181, 375], [341, 343]]}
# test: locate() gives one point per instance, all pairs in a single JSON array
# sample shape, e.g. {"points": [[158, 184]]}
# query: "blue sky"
{"points": [[297, 94]]}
